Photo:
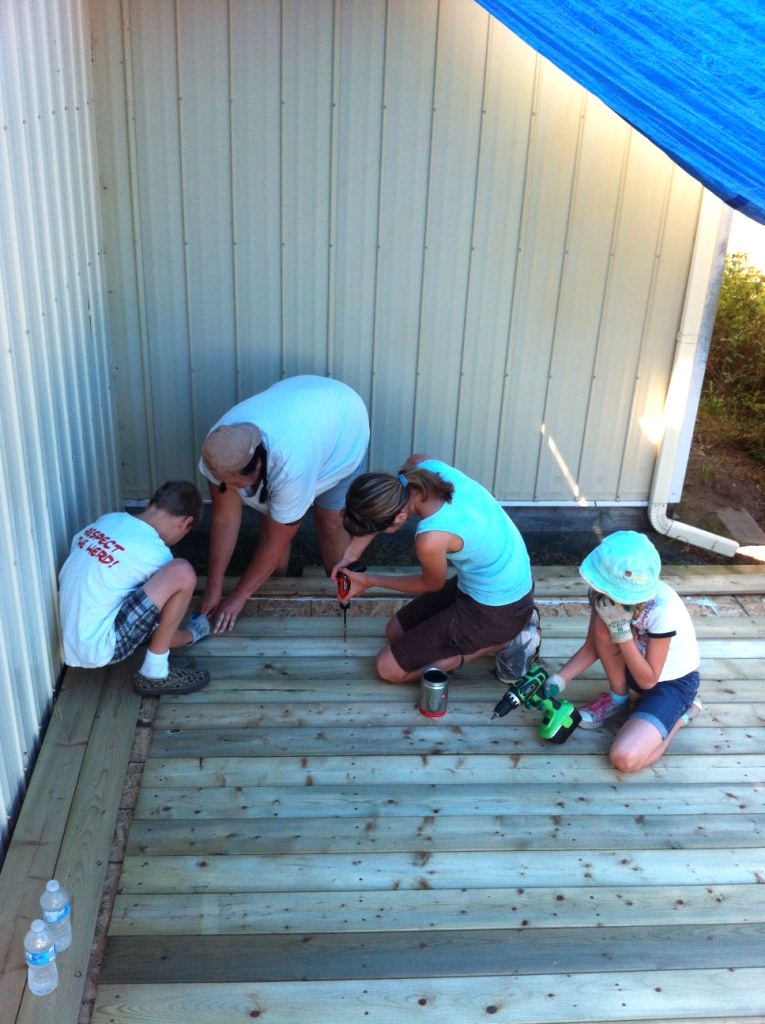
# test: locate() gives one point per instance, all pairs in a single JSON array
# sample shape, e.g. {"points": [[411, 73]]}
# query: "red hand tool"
{"points": [[343, 589]]}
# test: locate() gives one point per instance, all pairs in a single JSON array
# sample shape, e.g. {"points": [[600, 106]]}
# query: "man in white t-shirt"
{"points": [[121, 587], [300, 443]]}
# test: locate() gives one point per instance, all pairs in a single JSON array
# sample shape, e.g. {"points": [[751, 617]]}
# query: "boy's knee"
{"points": [[184, 573]]}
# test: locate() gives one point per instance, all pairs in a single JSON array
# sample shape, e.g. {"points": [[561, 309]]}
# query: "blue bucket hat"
{"points": [[625, 566]]}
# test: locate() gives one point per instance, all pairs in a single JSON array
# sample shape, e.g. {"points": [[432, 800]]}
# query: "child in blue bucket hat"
{"points": [[643, 636]]}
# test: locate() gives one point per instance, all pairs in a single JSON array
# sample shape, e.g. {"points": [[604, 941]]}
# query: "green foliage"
{"points": [[732, 405]]}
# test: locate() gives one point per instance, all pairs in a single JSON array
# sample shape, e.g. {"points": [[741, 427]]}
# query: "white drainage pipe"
{"points": [[693, 341]]}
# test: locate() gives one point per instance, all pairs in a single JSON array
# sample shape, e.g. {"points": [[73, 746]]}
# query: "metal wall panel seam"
{"points": [[78, 239], [20, 583], [543, 434], [471, 259], [52, 343], [646, 319], [139, 247], [521, 249], [34, 448], [232, 190], [117, 219], [376, 285], [642, 209], [605, 297], [84, 469], [425, 254], [184, 229], [332, 218], [657, 392], [98, 320], [17, 729], [282, 205], [460, 92]]}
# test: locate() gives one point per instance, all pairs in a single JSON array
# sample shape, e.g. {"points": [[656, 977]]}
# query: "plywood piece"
{"points": [[741, 525]]}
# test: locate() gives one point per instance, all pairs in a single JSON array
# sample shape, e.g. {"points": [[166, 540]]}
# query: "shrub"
{"points": [[732, 407]]}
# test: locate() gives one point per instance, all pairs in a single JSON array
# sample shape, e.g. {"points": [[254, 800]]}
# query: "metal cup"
{"points": [[433, 692]]}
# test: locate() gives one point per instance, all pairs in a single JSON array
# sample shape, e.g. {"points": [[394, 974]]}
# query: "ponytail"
{"points": [[375, 499]]}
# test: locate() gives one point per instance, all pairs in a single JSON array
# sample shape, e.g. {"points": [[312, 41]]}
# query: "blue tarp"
{"points": [[688, 74]]}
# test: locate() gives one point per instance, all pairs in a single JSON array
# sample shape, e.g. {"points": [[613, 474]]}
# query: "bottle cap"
{"points": [[53, 885], [38, 926]]}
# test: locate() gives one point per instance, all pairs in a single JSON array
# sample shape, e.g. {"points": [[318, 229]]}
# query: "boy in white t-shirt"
{"points": [[643, 636], [121, 586]]}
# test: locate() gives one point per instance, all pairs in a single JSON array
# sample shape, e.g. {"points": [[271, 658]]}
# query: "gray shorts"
{"points": [[136, 621], [334, 499]]}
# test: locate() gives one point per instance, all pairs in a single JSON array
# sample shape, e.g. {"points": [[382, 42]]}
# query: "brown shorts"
{"points": [[448, 622]]}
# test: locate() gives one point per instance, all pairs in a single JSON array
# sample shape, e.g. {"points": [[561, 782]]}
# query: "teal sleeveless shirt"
{"points": [[493, 566]]}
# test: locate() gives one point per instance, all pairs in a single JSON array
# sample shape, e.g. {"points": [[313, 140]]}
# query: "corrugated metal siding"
{"points": [[399, 194], [58, 450]]}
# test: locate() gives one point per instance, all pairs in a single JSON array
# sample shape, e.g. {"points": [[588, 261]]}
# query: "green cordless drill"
{"points": [[560, 717]]}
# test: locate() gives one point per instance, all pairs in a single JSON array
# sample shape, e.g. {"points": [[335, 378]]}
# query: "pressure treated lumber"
{"points": [[307, 847], [692, 995], [441, 954], [428, 909]]}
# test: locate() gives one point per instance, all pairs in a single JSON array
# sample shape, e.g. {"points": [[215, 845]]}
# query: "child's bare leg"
{"points": [[639, 744], [171, 590], [609, 655]]}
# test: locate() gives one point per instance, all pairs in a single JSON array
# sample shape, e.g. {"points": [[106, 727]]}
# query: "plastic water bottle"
{"points": [[40, 953], [57, 915]]}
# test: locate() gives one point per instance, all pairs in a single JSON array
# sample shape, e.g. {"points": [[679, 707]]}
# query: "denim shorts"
{"points": [[135, 622], [666, 702]]}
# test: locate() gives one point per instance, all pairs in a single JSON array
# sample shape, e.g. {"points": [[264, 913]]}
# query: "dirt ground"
{"points": [[717, 478]]}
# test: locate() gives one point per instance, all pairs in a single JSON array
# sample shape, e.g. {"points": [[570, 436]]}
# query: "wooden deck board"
{"points": [[547, 996], [306, 846], [440, 954], [65, 830]]}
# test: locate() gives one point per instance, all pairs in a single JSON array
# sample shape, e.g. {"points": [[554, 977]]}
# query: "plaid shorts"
{"points": [[135, 622]]}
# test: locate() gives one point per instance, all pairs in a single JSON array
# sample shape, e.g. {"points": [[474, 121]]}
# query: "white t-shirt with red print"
{"points": [[108, 560], [665, 615]]}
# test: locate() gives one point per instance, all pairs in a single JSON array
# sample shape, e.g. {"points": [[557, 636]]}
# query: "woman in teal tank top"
{"points": [[451, 619]]}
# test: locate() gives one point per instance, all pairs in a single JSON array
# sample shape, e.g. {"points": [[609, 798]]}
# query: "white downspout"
{"points": [[692, 340]]}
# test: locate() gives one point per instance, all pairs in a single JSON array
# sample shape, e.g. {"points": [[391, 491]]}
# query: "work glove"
{"points": [[617, 617], [554, 684]]}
